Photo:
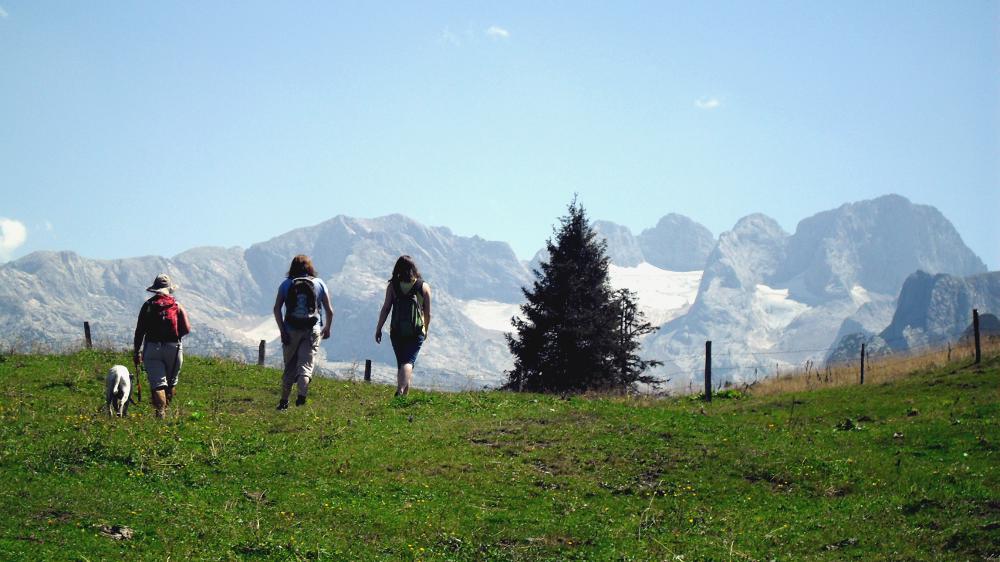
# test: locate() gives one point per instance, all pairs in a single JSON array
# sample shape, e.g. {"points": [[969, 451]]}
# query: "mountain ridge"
{"points": [[783, 297], [931, 310], [763, 288]]}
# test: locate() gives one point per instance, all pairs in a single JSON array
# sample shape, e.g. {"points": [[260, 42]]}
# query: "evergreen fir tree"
{"points": [[632, 325], [574, 333]]}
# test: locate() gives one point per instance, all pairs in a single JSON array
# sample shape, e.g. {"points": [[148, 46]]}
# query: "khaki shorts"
{"points": [[163, 363]]}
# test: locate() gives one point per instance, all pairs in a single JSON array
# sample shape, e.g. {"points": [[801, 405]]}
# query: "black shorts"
{"points": [[406, 349]]}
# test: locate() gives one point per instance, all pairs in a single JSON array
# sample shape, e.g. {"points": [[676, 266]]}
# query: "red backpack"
{"points": [[161, 319]]}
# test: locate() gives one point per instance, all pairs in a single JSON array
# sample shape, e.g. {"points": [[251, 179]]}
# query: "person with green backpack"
{"points": [[408, 296]]}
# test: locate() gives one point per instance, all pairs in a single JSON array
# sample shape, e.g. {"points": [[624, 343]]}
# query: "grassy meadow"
{"points": [[901, 469]]}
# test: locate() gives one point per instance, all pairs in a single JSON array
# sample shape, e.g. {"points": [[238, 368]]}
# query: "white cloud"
{"points": [[497, 32], [3, 13], [12, 235], [48, 226], [707, 103]]}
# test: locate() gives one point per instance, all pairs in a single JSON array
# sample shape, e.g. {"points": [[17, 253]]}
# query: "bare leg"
{"points": [[160, 402], [408, 370], [403, 377]]}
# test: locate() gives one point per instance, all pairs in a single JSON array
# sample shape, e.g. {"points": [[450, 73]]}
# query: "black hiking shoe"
{"points": [[299, 401], [282, 405]]}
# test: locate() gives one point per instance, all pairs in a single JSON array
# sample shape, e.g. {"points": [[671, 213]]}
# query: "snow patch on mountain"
{"points": [[774, 307], [663, 295], [860, 295], [491, 315], [254, 328]]}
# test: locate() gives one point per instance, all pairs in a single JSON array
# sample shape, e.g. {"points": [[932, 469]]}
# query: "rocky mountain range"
{"points": [[764, 295], [46, 296], [676, 243], [772, 301], [932, 310]]}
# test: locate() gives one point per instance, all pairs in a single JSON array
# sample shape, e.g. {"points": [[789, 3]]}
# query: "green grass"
{"points": [[356, 474]]}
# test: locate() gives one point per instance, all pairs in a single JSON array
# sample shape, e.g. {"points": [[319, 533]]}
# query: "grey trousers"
{"points": [[300, 357]]}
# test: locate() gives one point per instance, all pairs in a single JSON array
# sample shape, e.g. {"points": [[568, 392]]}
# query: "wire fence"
{"points": [[734, 360], [811, 357]]}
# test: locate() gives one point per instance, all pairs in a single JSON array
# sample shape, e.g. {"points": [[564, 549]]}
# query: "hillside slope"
{"points": [[357, 475]]}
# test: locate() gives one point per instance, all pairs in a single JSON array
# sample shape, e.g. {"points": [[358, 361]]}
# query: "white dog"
{"points": [[118, 391]]}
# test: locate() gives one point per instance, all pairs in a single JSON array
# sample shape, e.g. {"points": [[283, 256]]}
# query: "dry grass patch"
{"points": [[878, 370]]}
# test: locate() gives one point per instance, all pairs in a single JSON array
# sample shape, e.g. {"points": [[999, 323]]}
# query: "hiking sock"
{"points": [[300, 400], [283, 405]]}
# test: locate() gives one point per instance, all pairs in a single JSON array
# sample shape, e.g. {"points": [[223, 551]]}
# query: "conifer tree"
{"points": [[574, 332], [631, 326]]}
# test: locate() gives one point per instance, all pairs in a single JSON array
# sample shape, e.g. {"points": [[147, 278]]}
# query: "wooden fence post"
{"points": [[975, 331], [260, 353], [862, 363], [368, 370], [708, 371], [86, 335]]}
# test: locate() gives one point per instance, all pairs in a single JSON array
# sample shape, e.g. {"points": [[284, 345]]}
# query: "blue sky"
{"points": [[136, 128]]}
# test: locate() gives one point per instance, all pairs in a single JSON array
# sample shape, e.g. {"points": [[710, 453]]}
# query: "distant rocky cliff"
{"points": [[932, 310], [676, 243], [776, 300]]}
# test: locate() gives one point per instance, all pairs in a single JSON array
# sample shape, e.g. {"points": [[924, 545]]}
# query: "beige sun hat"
{"points": [[162, 285]]}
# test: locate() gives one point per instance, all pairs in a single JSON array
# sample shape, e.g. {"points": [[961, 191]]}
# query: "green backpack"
{"points": [[407, 316]]}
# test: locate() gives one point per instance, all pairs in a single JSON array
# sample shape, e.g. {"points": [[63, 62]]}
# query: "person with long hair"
{"points": [[302, 294], [408, 297]]}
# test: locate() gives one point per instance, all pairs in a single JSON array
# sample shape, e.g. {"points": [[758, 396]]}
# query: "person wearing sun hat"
{"points": [[161, 325]]}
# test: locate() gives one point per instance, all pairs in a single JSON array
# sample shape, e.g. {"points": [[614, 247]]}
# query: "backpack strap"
{"points": [[398, 291]]}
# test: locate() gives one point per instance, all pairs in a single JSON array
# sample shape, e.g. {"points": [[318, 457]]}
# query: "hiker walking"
{"points": [[409, 298], [158, 331], [302, 294]]}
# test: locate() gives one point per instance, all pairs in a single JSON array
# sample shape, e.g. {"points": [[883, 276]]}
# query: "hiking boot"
{"points": [[300, 400], [282, 405]]}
